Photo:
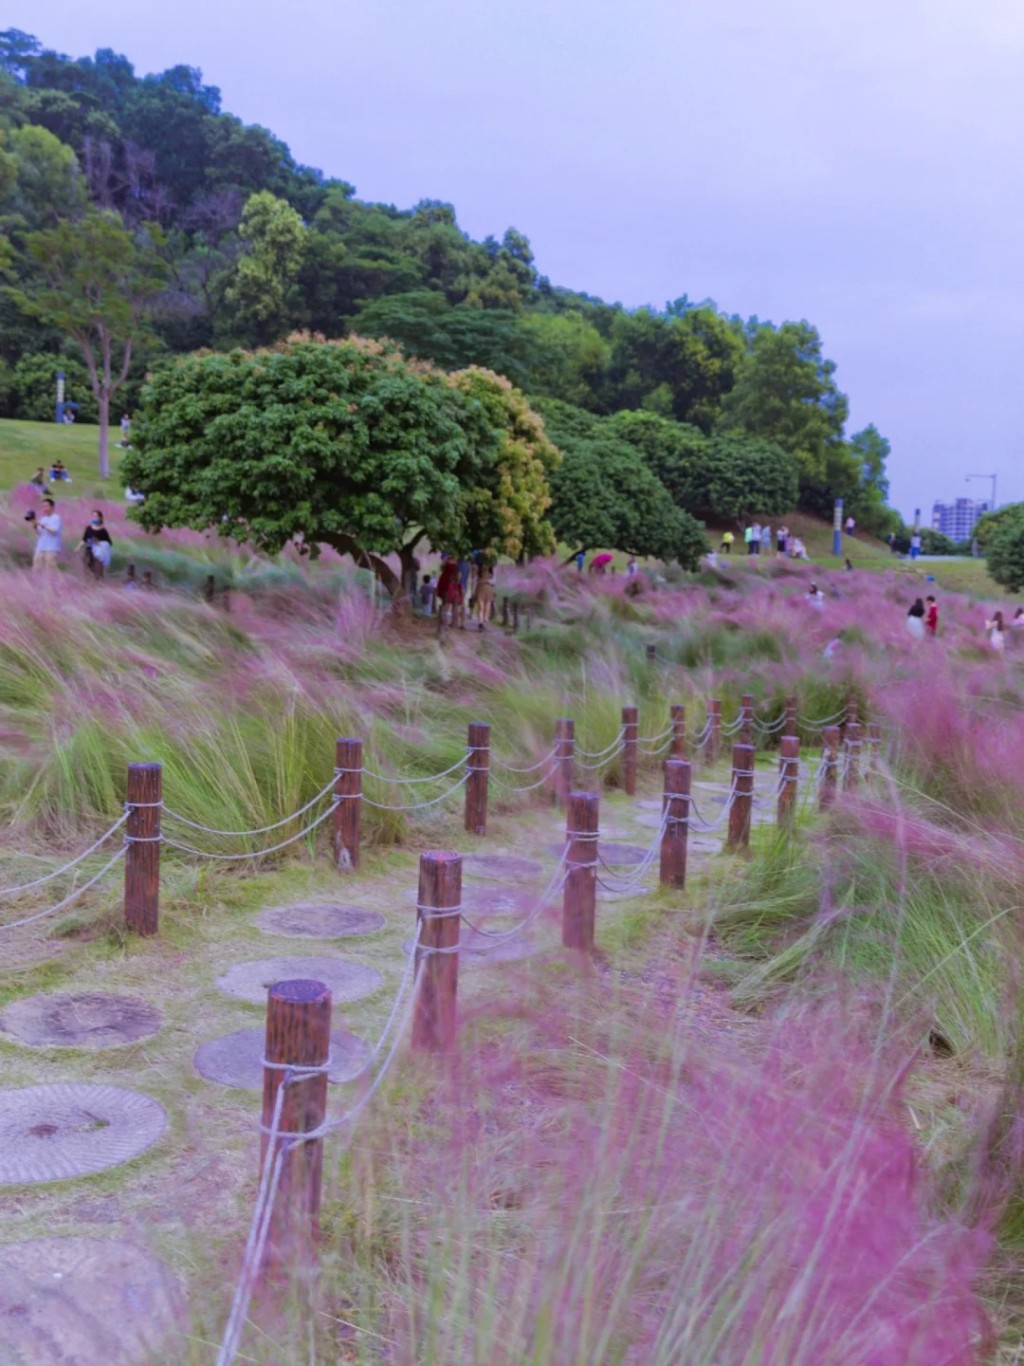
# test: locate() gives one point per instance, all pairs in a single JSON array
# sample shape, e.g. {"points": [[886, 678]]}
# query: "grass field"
{"points": [[24, 446]]}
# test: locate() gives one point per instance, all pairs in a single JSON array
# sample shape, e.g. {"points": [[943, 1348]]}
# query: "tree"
{"points": [[786, 392], [1005, 553], [94, 284], [48, 183], [259, 293], [345, 444], [673, 451], [990, 522], [604, 496], [737, 477]]}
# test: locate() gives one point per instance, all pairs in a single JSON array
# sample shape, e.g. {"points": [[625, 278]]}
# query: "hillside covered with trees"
{"points": [[197, 232]]}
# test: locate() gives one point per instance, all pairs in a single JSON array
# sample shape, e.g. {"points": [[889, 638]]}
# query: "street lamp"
{"points": [[985, 476]]}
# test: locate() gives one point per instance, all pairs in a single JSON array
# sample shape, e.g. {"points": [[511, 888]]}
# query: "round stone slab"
{"points": [[68, 1129], [616, 855], [83, 1019], [76, 1301], [475, 947], [346, 981], [320, 920], [237, 1059], [500, 867]]}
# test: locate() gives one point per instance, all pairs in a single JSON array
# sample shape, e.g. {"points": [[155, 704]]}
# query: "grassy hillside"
{"points": [[24, 446]]}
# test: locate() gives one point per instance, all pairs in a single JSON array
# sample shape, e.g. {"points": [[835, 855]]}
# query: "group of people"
{"points": [[758, 540], [460, 583], [57, 475], [95, 545], [923, 620], [997, 632]]}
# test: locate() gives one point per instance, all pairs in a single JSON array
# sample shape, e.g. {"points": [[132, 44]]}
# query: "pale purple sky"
{"points": [[856, 164]]}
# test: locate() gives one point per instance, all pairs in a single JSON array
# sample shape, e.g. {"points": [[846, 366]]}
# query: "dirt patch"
{"points": [[85, 1019], [320, 920]]}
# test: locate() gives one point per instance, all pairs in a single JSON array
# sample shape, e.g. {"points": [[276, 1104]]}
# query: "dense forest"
{"points": [[223, 240]]}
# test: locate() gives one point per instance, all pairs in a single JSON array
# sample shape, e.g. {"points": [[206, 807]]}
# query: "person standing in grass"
{"points": [[755, 539], [48, 528], [766, 539], [727, 540], [484, 595], [931, 617], [782, 539], [97, 546], [996, 632], [449, 593], [915, 619]]}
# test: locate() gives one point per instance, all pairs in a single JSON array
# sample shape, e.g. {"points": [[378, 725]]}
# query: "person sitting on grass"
{"points": [[58, 474], [38, 480]]}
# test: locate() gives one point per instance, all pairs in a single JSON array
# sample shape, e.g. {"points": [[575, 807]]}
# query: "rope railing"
{"points": [[66, 868]]}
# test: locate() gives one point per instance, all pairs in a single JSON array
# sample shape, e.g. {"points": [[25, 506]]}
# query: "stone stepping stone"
{"points": [[475, 947], [83, 1019], [320, 920], [82, 1301], [68, 1129], [618, 855], [346, 981], [237, 1059], [501, 867]]}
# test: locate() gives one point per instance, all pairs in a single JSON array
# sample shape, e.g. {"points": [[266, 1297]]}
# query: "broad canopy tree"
{"points": [[345, 444], [94, 282]]}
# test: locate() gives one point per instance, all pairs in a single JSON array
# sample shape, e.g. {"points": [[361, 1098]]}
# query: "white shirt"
{"points": [[49, 533]]}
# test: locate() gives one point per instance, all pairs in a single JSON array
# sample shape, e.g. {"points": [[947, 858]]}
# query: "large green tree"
{"points": [[1004, 552], [345, 444], [737, 477], [605, 497], [94, 281], [261, 291], [786, 393]]}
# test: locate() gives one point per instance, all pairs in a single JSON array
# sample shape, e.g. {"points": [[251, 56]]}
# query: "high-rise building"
{"points": [[958, 519]]}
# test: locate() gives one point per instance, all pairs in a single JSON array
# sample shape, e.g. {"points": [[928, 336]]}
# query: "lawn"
{"points": [[24, 446]]}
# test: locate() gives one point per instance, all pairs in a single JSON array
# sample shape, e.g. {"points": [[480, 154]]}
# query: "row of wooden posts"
{"points": [[298, 1022], [144, 789]]}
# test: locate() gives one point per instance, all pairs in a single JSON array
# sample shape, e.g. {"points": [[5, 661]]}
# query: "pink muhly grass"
{"points": [[584, 1189]]}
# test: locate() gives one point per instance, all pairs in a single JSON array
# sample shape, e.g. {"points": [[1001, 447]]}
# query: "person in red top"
{"points": [[931, 620], [449, 593]]}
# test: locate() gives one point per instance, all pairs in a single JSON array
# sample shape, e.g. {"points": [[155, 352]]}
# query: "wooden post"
{"points": [[746, 731], [208, 588], [629, 749], [678, 714], [565, 748], [580, 891], [652, 653], [790, 728], [830, 767], [299, 1037], [676, 806], [789, 773], [478, 758], [851, 775], [438, 910], [143, 797], [713, 748], [348, 789], [743, 790]]}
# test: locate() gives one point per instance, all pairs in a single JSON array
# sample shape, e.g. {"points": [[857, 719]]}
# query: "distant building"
{"points": [[957, 520]]}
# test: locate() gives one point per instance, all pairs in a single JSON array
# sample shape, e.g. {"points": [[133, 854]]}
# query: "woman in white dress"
{"points": [[915, 619], [996, 632]]}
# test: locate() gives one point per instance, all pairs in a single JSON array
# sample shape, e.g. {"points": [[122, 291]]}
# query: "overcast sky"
{"points": [[858, 165]]}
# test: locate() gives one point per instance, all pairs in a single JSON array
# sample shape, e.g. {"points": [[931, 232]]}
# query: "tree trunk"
{"points": [[410, 569], [103, 402]]}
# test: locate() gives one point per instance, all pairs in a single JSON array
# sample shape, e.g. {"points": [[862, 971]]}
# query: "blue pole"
{"points": [[59, 413], [837, 528]]}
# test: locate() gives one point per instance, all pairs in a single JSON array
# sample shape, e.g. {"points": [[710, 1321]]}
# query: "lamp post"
{"points": [[985, 476]]}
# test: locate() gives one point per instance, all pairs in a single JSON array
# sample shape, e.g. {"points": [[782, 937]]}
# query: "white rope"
{"points": [[555, 883], [419, 806], [509, 768], [825, 721], [601, 763], [72, 896], [259, 830], [655, 739], [256, 853], [434, 777], [48, 877], [527, 787], [600, 753]]}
